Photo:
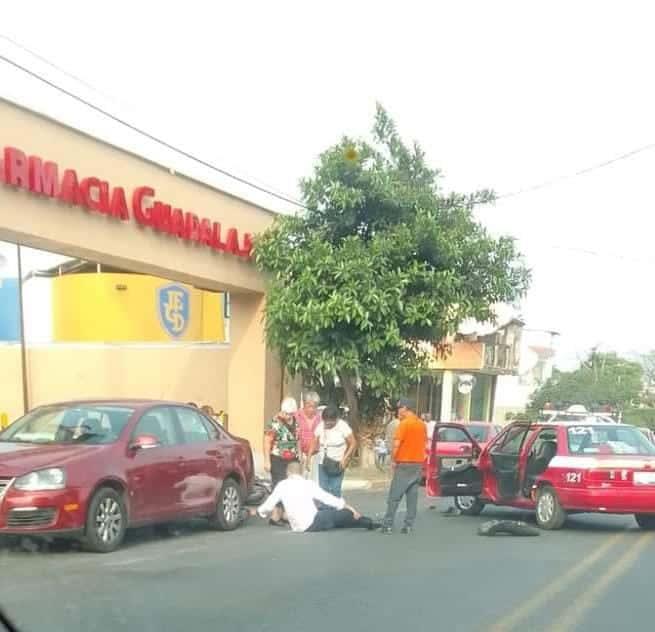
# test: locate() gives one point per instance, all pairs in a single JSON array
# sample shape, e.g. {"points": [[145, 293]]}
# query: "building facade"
{"points": [[461, 383], [65, 192]]}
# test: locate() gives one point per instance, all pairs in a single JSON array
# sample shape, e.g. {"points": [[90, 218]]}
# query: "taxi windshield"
{"points": [[90, 424], [609, 439]]}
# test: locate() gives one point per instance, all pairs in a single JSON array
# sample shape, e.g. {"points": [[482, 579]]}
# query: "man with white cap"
{"points": [[281, 445]]}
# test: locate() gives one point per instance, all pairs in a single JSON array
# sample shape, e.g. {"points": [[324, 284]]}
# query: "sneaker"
{"points": [[406, 530], [386, 530], [374, 526]]}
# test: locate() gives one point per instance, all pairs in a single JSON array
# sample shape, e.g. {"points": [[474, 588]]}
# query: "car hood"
{"points": [[17, 459]]}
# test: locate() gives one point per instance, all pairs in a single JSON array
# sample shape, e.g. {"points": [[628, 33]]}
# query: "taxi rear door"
{"points": [[453, 473]]}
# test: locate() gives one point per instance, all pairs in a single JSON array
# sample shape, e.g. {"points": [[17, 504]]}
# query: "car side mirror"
{"points": [[144, 442]]}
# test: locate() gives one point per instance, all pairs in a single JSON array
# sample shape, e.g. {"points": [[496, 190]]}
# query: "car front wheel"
{"points": [[228, 508], [550, 514], [106, 521], [469, 505], [645, 521]]}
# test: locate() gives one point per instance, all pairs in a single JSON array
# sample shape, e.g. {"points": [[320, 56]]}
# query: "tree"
{"points": [[380, 261], [602, 379], [648, 363]]}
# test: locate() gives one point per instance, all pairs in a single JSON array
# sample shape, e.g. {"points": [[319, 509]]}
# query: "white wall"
{"points": [[513, 392]]}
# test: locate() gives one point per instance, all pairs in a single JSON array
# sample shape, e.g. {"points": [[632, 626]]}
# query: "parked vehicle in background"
{"points": [[454, 444], [89, 470], [554, 469], [648, 433], [577, 413]]}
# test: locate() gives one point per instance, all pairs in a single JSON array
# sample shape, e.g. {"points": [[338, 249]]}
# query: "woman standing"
{"points": [[308, 418], [336, 443], [281, 441]]}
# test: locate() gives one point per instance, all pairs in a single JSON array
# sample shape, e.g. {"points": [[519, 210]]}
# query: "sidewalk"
{"points": [[366, 478]]}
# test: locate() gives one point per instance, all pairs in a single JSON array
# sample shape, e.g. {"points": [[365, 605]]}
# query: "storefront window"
{"points": [[472, 397]]}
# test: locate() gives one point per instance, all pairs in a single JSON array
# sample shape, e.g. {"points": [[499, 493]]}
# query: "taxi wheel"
{"points": [[469, 505], [645, 521], [228, 508], [549, 512], [106, 521]]}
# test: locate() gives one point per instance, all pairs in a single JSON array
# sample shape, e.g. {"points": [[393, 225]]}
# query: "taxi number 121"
{"points": [[574, 477]]}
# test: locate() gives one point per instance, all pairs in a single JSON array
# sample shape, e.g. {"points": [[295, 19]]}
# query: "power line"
{"points": [[54, 66], [580, 172], [148, 135], [285, 198]]}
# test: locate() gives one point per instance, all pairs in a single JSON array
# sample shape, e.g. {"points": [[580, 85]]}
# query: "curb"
{"points": [[355, 484]]}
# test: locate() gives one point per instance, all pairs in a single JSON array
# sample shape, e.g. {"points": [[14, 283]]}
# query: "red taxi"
{"points": [[553, 469], [90, 470]]}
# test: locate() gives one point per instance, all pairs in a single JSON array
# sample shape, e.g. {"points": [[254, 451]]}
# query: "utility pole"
{"points": [[23, 353]]}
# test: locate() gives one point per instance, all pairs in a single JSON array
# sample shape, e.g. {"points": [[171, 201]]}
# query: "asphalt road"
{"points": [[596, 574]]}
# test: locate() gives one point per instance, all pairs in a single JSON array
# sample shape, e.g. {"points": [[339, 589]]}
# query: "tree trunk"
{"points": [[348, 385]]}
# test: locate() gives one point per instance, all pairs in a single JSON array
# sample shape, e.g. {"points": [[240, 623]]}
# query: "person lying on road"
{"points": [[298, 496]]}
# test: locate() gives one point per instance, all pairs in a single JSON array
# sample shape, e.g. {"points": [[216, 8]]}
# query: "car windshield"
{"points": [[88, 424], [618, 439]]}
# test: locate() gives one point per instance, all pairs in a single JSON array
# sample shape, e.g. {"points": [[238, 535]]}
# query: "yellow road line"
{"points": [[553, 588], [589, 598]]}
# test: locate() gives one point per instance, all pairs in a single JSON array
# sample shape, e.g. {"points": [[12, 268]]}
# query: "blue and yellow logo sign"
{"points": [[174, 307]]}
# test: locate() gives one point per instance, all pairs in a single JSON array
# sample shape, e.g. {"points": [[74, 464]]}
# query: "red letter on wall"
{"points": [[90, 193], [191, 224], [205, 232], [177, 223], [232, 241], [143, 216], [70, 189], [16, 168], [118, 206], [216, 243], [246, 251], [44, 178], [161, 217], [103, 198]]}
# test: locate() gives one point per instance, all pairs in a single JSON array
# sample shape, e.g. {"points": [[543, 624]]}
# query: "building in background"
{"points": [[513, 392], [462, 385]]}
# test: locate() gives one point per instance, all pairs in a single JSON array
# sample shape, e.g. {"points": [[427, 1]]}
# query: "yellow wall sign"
{"points": [[4, 420], [108, 307]]}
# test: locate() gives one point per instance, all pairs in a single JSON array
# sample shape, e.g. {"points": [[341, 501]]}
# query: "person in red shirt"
{"points": [[308, 418], [407, 456]]}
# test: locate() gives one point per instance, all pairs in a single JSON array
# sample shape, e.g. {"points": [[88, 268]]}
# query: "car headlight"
{"points": [[42, 480]]}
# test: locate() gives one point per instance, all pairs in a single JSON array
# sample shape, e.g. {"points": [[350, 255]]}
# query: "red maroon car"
{"points": [[555, 469], [89, 470]]}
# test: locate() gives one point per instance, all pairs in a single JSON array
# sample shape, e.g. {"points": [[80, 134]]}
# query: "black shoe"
{"points": [[406, 530], [386, 530], [374, 526]]}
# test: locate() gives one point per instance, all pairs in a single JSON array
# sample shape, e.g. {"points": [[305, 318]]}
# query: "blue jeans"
{"points": [[330, 484]]}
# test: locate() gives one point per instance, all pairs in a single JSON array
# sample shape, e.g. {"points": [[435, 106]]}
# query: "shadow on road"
{"points": [[578, 523], [25, 545]]}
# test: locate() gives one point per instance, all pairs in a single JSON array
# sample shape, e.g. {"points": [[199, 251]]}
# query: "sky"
{"points": [[501, 95]]}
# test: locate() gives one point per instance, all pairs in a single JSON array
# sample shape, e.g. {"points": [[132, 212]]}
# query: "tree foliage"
{"points": [[380, 261], [602, 379]]}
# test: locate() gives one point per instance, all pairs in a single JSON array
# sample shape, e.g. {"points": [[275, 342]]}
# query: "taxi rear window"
{"points": [[608, 439]]}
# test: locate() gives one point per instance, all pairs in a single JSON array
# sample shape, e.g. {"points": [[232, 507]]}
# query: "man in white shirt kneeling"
{"points": [[299, 495]]}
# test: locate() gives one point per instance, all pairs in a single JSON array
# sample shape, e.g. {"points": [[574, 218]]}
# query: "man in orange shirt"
{"points": [[407, 455]]}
